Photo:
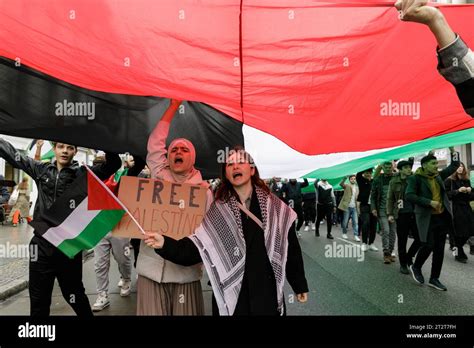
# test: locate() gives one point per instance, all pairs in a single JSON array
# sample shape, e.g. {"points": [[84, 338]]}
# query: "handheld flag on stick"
{"points": [[82, 216]]}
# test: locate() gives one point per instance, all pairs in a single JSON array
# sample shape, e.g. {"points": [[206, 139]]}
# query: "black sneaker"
{"points": [[460, 259], [435, 283], [472, 250], [462, 254], [404, 269], [417, 275], [329, 236], [316, 233]]}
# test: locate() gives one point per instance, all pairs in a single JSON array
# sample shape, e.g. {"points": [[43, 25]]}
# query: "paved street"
{"points": [[338, 285]]}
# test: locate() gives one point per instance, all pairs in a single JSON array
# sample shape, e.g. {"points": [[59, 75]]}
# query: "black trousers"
{"points": [[48, 263], [325, 210], [368, 223], [135, 242], [299, 211], [309, 211], [440, 225], [406, 223]]}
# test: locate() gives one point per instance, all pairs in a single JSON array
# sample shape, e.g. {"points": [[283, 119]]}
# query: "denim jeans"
{"points": [[352, 213]]}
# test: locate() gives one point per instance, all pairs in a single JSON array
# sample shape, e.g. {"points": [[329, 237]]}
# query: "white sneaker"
{"points": [[393, 254], [373, 247], [356, 238], [298, 234], [313, 227], [120, 283], [101, 302], [126, 288], [365, 247], [306, 229], [344, 236]]}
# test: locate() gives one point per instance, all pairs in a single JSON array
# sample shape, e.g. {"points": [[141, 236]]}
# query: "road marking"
{"points": [[348, 241]]}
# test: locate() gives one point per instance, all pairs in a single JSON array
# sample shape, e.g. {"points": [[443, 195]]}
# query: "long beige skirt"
{"points": [[169, 298]]}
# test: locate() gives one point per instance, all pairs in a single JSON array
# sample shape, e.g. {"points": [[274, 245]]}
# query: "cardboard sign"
{"points": [[171, 209]]}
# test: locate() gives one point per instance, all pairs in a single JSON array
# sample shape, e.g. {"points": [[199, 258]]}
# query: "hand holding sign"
{"points": [[154, 240]]}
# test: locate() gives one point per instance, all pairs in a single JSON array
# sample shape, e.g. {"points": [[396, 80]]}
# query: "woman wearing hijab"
{"points": [[247, 242], [163, 287]]}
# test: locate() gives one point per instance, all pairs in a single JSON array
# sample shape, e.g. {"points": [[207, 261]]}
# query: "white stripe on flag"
{"points": [[274, 158], [74, 224]]}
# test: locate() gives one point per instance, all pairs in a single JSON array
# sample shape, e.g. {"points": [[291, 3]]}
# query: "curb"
{"points": [[12, 288], [20, 284]]}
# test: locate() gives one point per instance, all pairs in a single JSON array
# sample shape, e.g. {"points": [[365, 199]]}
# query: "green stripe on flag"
{"points": [[334, 183], [48, 155], [352, 167], [102, 224]]}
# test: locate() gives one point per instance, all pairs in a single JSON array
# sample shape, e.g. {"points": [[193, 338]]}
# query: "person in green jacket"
{"points": [[434, 216], [378, 205], [400, 212]]}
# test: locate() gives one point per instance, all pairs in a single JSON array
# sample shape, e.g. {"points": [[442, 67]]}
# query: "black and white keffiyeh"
{"points": [[221, 243]]}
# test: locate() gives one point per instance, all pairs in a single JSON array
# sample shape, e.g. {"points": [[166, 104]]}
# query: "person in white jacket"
{"points": [[163, 287]]}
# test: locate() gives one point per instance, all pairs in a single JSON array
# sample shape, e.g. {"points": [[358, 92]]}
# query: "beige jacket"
{"points": [[346, 198]]}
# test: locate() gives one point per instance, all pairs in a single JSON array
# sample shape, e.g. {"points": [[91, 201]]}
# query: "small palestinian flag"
{"points": [[81, 217]]}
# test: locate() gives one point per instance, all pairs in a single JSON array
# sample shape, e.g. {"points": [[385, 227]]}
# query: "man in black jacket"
{"points": [[292, 194], [368, 221], [326, 205], [52, 180], [456, 60], [433, 213]]}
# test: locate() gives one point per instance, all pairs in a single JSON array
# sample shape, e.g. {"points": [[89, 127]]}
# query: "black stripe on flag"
{"points": [[122, 123]]}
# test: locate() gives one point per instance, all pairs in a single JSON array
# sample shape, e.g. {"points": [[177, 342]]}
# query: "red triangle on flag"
{"points": [[99, 196]]}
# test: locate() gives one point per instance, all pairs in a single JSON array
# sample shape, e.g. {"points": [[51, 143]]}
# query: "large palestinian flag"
{"points": [[303, 84]]}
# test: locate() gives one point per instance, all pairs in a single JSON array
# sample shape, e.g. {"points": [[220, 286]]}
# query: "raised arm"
{"points": [[20, 161], [418, 11], [455, 59], [156, 157], [39, 146], [377, 171], [453, 166], [110, 166], [343, 182], [138, 167], [305, 183]]}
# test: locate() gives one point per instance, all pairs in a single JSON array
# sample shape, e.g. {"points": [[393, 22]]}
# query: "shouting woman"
{"points": [[163, 287]]}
